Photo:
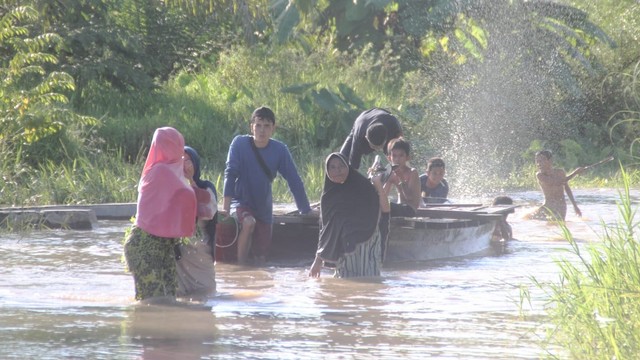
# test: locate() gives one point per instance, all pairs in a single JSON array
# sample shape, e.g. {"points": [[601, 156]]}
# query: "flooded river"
{"points": [[65, 295]]}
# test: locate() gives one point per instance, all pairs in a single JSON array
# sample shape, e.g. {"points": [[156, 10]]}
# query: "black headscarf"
{"points": [[210, 227], [350, 213]]}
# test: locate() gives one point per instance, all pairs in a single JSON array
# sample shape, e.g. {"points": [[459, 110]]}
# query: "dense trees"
{"points": [[459, 72]]}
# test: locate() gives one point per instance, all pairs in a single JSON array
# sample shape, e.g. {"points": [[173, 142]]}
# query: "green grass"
{"points": [[109, 177], [595, 306], [104, 178]]}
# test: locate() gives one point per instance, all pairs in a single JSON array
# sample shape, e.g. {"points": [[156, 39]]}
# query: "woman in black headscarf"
{"points": [[350, 210], [195, 257]]}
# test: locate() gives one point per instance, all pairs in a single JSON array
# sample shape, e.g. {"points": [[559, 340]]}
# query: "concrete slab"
{"points": [[75, 219]]}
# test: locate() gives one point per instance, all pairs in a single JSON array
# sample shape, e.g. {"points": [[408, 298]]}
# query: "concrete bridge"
{"points": [[76, 217]]}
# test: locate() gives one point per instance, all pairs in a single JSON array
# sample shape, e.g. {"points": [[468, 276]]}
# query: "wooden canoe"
{"points": [[438, 232]]}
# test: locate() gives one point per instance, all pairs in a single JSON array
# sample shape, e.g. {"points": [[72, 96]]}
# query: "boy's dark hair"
{"points": [[264, 113], [399, 144], [503, 200], [545, 153], [435, 162], [377, 134]]}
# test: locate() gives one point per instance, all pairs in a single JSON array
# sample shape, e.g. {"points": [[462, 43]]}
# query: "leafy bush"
{"points": [[36, 123]]}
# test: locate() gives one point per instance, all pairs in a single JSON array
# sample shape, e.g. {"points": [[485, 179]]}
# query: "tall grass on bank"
{"points": [[108, 178], [103, 178], [595, 308]]}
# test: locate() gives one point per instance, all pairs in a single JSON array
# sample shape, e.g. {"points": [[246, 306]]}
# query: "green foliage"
{"points": [[314, 106], [311, 169], [625, 124], [473, 81], [246, 22], [98, 179], [33, 114], [131, 45], [520, 78], [595, 308], [569, 154]]}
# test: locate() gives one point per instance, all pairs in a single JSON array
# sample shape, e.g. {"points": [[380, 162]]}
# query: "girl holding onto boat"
{"points": [[166, 212], [195, 260], [350, 206]]}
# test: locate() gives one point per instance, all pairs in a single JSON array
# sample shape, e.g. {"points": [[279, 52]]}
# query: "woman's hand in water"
{"points": [[316, 267]]}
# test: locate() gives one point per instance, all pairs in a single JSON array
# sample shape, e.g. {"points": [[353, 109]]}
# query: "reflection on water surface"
{"points": [[64, 294]]}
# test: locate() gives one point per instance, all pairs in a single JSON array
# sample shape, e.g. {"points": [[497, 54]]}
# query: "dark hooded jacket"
{"points": [[349, 213]]}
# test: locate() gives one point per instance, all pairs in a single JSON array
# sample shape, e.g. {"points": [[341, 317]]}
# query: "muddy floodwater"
{"points": [[65, 295]]}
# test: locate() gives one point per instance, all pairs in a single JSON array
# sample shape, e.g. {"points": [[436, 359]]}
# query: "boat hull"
{"points": [[410, 239], [439, 232], [438, 239]]}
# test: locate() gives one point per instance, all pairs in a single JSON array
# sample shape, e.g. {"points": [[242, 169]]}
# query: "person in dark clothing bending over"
{"points": [[372, 131]]}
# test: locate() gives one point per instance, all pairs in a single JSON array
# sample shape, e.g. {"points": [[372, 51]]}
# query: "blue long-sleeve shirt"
{"points": [[248, 185]]}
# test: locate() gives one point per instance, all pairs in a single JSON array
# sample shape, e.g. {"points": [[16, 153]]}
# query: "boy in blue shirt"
{"points": [[252, 163]]}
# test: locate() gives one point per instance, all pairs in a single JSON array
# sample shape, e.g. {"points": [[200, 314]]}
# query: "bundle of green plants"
{"points": [[595, 307]]}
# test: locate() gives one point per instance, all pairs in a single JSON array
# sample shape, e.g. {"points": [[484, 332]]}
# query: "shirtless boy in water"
{"points": [[554, 183]]}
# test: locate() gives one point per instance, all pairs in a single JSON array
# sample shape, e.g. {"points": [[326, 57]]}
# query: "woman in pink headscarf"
{"points": [[166, 212]]}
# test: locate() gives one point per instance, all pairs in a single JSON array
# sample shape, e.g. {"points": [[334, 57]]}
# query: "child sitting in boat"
{"points": [[405, 179], [502, 231], [433, 185]]}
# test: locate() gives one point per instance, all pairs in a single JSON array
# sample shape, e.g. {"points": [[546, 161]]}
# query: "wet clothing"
{"points": [[435, 195], [248, 185], [365, 260], [151, 260], [195, 266], [349, 233], [356, 144], [262, 232]]}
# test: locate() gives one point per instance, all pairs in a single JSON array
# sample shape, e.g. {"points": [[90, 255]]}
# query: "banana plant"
{"points": [[331, 111]]}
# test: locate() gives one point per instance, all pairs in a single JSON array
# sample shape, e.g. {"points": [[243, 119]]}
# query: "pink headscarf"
{"points": [[166, 202]]}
